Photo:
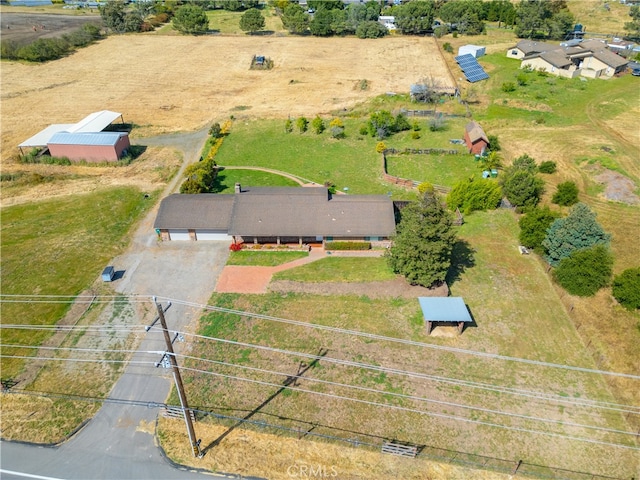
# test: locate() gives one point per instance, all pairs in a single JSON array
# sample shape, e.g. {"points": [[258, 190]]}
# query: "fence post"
{"points": [[515, 470]]}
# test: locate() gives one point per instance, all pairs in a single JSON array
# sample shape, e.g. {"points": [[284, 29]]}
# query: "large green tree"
{"points": [[422, 246], [252, 21], [534, 225], [520, 184], [191, 19], [626, 288], [543, 18], [633, 27], [295, 19], [576, 231], [585, 271], [118, 18], [465, 14], [320, 26], [414, 17]]}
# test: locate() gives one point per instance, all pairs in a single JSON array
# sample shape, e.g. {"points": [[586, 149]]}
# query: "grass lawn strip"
{"points": [[501, 291], [264, 259]]}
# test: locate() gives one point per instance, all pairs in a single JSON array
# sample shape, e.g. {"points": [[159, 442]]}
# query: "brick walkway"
{"points": [[248, 279]]}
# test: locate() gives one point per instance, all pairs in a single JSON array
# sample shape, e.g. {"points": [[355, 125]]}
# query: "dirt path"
{"points": [[298, 180]]}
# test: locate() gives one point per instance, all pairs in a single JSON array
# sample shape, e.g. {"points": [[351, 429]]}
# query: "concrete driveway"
{"points": [[119, 442]]}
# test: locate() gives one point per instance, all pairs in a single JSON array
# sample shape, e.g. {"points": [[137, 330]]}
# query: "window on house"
{"points": [[514, 52]]}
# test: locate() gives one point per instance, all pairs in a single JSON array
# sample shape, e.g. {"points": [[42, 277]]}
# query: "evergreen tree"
{"points": [[191, 19], [520, 184], [252, 21], [626, 288], [422, 246], [295, 19], [576, 231], [585, 271], [534, 225], [566, 195]]}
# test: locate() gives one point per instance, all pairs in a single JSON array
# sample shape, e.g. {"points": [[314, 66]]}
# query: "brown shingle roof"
{"points": [[529, 47], [557, 58], [310, 212], [475, 132], [203, 211], [283, 211]]}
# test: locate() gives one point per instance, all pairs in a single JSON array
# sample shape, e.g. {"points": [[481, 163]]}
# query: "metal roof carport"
{"points": [[444, 309], [93, 123]]}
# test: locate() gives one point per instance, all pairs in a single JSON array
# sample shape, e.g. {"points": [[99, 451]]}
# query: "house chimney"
{"points": [[238, 188]]}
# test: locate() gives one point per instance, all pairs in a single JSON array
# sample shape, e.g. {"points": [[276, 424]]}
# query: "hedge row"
{"points": [[347, 246]]}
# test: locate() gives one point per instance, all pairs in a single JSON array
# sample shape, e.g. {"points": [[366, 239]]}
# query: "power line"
{"points": [[402, 341], [384, 369], [83, 360], [410, 397], [369, 335], [465, 383], [422, 412]]}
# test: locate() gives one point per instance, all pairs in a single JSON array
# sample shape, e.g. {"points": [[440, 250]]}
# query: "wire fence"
{"points": [[301, 430]]}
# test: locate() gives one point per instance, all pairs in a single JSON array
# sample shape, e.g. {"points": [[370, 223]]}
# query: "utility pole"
{"points": [[195, 444]]}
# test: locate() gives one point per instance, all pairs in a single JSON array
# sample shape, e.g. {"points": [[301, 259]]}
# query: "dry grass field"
{"points": [[168, 84]]}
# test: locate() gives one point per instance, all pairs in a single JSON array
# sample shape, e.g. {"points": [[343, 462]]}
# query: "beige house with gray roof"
{"points": [[278, 215], [589, 58]]}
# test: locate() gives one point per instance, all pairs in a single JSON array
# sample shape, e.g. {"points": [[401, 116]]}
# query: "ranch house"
{"points": [[587, 58], [277, 215]]}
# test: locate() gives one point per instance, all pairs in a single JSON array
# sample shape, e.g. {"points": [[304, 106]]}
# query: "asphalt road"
{"points": [[118, 443]]}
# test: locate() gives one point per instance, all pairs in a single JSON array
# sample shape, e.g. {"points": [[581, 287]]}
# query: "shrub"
{"points": [[494, 143], [336, 127], [566, 195], [425, 187], [415, 135], [235, 247], [548, 167], [447, 46], [437, 123], [401, 123], [317, 125], [364, 130], [522, 79], [508, 87], [626, 288], [288, 126], [302, 123], [585, 271], [534, 225], [380, 147], [474, 194], [347, 246], [415, 126]]}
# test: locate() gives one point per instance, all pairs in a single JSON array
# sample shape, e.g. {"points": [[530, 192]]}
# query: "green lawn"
{"points": [[445, 170], [59, 247], [503, 291], [351, 163], [227, 179], [265, 259], [340, 269]]}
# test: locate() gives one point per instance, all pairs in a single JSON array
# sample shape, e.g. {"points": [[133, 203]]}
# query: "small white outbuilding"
{"points": [[475, 50]]}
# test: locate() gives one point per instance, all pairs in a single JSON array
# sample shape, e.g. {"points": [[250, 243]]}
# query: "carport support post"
{"points": [[195, 445]]}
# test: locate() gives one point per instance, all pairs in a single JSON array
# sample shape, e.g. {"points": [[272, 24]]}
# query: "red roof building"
{"points": [[475, 138]]}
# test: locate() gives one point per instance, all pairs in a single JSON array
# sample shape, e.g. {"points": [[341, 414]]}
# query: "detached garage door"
{"points": [[212, 235], [179, 235]]}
